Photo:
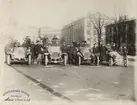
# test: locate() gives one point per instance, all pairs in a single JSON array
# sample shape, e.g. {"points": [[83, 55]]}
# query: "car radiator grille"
{"points": [[55, 55], [87, 55]]}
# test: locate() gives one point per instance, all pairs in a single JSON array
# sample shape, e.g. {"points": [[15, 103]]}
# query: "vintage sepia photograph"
{"points": [[68, 52]]}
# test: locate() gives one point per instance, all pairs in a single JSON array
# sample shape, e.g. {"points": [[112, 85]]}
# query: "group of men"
{"points": [[39, 47], [96, 50], [103, 50]]}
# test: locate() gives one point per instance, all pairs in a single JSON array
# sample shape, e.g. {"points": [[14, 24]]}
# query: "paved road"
{"points": [[12, 80], [83, 83]]}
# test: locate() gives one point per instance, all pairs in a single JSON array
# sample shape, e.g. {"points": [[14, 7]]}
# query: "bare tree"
{"points": [[98, 21]]}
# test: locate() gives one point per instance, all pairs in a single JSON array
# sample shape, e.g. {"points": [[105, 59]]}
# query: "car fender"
{"points": [[80, 54], [46, 54], [65, 54]]}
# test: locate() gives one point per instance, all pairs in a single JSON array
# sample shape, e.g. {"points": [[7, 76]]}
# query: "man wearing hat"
{"points": [[38, 51], [32, 49], [63, 48], [45, 40], [28, 41], [55, 41], [95, 50]]}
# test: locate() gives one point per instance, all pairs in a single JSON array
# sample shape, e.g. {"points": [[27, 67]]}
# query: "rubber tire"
{"points": [[29, 59], [97, 61], [65, 60], [110, 62], [46, 60], [79, 60], [8, 61]]}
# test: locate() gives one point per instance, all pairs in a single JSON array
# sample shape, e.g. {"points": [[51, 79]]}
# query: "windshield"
{"points": [[54, 49]]}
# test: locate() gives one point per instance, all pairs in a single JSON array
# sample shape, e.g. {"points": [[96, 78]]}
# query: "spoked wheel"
{"points": [[65, 60], [29, 59], [125, 62], [110, 62], [46, 60], [8, 61]]}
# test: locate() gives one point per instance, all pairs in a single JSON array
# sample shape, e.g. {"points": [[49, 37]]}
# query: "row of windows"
{"points": [[79, 25]]}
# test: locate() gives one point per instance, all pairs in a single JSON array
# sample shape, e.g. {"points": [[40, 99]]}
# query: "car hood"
{"points": [[19, 52]]}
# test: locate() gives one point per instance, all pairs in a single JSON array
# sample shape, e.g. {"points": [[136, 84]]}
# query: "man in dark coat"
{"points": [[70, 50], [27, 41], [114, 47], [45, 40], [103, 50], [95, 49], [123, 50], [38, 51], [55, 41], [55, 38], [32, 49], [63, 48], [108, 48], [83, 44]]}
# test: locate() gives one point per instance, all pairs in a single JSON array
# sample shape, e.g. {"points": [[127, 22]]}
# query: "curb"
{"points": [[131, 58]]}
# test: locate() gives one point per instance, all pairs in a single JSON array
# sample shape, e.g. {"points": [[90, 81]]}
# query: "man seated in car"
{"points": [[45, 40], [84, 44], [123, 50], [108, 50], [55, 41], [114, 47]]}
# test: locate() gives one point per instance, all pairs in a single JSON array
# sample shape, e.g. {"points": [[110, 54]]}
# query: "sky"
{"points": [[55, 13]]}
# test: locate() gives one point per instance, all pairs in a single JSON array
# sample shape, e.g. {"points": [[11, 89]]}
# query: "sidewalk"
{"points": [[131, 58]]}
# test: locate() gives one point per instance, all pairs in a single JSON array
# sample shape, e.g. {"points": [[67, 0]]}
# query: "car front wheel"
{"points": [[97, 60], [65, 60], [79, 60], [125, 62], [111, 62], [29, 59], [8, 59], [46, 60]]}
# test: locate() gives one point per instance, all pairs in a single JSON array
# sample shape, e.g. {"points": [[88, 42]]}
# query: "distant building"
{"points": [[50, 32], [73, 31], [79, 30], [122, 32]]}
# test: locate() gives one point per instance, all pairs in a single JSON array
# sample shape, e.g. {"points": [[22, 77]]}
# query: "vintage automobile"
{"points": [[18, 54], [114, 58], [54, 55], [84, 55]]}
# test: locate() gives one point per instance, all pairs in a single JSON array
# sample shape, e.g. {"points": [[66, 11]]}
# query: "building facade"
{"points": [[79, 30], [122, 32], [49, 32], [74, 31]]}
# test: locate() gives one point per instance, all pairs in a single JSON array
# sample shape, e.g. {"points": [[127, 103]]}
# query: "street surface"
{"points": [[12, 80], [73, 83]]}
